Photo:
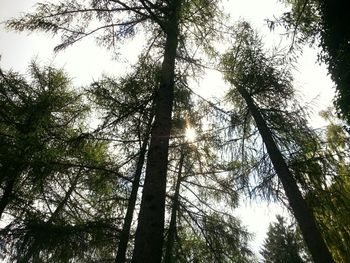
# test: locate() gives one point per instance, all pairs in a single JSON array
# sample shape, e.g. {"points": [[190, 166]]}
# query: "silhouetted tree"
{"points": [[283, 244], [266, 92], [169, 22]]}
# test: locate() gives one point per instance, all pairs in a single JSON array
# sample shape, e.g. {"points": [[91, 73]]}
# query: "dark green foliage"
{"points": [[59, 205], [331, 200], [335, 39], [33, 125], [284, 244], [212, 238], [325, 22], [38, 241]]}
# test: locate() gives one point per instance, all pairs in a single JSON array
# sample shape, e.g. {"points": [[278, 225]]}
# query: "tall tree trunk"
{"points": [[168, 258], [150, 229], [302, 213], [6, 196], [125, 234]]}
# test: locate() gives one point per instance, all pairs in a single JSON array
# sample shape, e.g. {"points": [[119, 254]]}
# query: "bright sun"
{"points": [[190, 134]]}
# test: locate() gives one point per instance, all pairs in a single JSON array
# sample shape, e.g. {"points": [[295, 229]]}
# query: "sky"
{"points": [[86, 62]]}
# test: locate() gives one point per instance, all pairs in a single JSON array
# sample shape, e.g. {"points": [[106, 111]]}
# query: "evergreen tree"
{"points": [[59, 207], [69, 197], [283, 244], [34, 119], [198, 229], [323, 22], [263, 88], [330, 201], [126, 109], [170, 22]]}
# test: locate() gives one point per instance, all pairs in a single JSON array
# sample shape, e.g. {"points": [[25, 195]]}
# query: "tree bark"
{"points": [[150, 229], [302, 213], [125, 234], [168, 258]]}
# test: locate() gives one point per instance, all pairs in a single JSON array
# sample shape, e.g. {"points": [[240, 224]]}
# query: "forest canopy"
{"points": [[140, 166]]}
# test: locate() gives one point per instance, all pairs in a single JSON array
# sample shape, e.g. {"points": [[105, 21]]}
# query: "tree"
{"points": [[172, 231], [125, 104], [323, 22], [35, 117], [257, 81], [58, 173], [330, 201], [127, 108], [283, 244], [335, 45], [123, 17], [198, 231], [172, 30]]}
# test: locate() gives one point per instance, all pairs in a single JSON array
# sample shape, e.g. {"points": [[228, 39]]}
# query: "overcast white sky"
{"points": [[86, 62]]}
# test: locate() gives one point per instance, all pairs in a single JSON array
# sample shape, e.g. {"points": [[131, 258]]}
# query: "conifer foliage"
{"points": [[283, 244], [137, 167]]}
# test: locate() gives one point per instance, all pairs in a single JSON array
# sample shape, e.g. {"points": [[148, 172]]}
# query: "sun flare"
{"points": [[190, 134]]}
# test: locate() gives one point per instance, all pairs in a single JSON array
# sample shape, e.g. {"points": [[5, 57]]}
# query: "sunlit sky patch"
{"points": [[190, 134]]}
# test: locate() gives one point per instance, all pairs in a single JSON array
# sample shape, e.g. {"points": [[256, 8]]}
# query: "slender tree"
{"points": [[171, 234], [257, 82], [198, 230], [123, 17], [126, 107], [149, 233]]}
